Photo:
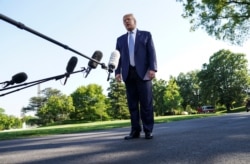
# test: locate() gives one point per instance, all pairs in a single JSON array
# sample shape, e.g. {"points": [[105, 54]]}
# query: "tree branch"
{"points": [[236, 2]]}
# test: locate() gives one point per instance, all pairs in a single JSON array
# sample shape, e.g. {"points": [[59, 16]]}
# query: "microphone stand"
{"points": [[23, 27], [30, 84], [110, 70], [108, 77]]}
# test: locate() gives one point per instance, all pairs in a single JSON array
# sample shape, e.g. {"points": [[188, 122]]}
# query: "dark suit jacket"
{"points": [[145, 55]]}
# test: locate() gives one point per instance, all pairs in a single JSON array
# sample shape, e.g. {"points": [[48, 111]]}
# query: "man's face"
{"points": [[129, 22]]}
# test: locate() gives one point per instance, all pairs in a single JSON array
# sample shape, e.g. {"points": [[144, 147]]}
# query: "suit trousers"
{"points": [[140, 102]]}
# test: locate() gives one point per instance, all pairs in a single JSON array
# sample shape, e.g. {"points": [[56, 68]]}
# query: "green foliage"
{"points": [[56, 109], [9, 122], [190, 110], [225, 79], [222, 19], [31, 120], [2, 111], [172, 97], [50, 106], [189, 88], [177, 111], [3, 121], [159, 89], [35, 103], [117, 100], [89, 103], [219, 108]]}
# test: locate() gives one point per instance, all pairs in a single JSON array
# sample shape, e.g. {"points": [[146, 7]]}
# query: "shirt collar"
{"points": [[134, 31]]}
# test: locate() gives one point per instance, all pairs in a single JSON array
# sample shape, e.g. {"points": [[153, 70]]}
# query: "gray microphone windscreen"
{"points": [[97, 56], [19, 77], [71, 64], [114, 59]]}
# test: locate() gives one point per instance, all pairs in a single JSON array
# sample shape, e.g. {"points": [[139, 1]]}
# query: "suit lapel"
{"points": [[126, 43], [137, 38]]}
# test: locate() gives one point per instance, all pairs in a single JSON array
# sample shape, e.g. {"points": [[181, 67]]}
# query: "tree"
{"points": [[226, 20], [30, 120], [172, 97], [9, 122], [38, 103], [3, 121], [225, 79], [56, 109], [2, 110], [189, 88], [13, 122], [159, 89], [89, 102], [35, 103], [118, 108]]}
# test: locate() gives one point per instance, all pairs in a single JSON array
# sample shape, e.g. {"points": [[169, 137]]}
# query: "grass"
{"points": [[87, 127]]}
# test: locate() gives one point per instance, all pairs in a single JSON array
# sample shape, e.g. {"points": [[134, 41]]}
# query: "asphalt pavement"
{"points": [[213, 140]]}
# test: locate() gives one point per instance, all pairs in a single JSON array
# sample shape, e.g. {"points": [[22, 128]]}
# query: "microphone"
{"points": [[92, 64], [70, 67], [113, 62], [17, 78]]}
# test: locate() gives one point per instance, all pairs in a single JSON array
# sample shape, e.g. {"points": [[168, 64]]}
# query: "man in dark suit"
{"points": [[137, 66]]}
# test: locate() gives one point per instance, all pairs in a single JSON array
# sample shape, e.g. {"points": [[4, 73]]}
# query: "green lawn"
{"points": [[87, 127]]}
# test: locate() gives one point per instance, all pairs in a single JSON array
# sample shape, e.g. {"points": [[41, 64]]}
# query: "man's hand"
{"points": [[151, 74], [118, 78]]}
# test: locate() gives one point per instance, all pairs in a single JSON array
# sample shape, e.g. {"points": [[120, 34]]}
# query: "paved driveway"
{"points": [[214, 140]]}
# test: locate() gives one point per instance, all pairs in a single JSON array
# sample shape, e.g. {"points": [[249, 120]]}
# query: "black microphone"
{"points": [[92, 64], [70, 67], [113, 62], [17, 78]]}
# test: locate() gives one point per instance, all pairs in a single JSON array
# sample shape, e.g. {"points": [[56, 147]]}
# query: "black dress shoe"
{"points": [[132, 135], [148, 135]]}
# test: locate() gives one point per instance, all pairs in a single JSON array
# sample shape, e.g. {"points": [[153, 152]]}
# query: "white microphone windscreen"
{"points": [[114, 59]]}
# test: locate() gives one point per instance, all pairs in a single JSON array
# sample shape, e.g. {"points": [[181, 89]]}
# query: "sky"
{"points": [[86, 26]]}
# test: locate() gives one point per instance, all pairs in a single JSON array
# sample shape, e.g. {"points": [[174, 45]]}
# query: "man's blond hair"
{"points": [[129, 15]]}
